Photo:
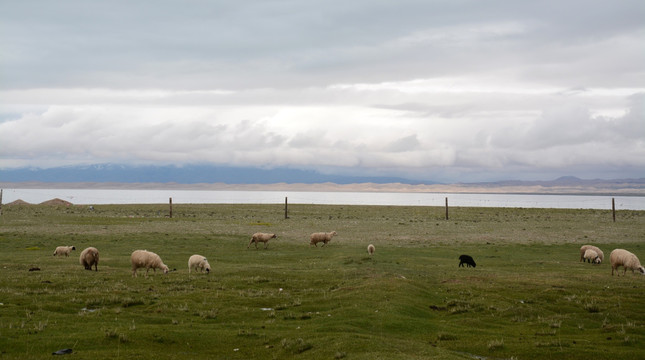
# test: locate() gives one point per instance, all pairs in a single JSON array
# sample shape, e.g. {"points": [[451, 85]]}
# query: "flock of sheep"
{"points": [[143, 259], [140, 259], [617, 258]]}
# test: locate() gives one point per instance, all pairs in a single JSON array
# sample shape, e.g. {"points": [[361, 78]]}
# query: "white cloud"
{"points": [[335, 135]]}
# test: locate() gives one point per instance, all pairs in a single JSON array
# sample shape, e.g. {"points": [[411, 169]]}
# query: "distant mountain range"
{"points": [[203, 177], [245, 178], [189, 174], [565, 181]]}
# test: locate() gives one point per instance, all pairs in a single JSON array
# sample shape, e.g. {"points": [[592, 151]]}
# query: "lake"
{"points": [[101, 196]]}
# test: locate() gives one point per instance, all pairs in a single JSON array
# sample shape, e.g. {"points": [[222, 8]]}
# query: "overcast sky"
{"points": [[451, 90]]}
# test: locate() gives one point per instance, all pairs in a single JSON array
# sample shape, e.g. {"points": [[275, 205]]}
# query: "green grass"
{"points": [[528, 298]]}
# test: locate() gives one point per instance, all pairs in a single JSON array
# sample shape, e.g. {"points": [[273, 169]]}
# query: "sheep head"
{"points": [[642, 270]]}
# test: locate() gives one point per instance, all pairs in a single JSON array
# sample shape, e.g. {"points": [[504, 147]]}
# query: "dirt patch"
{"points": [[56, 202], [18, 202]]}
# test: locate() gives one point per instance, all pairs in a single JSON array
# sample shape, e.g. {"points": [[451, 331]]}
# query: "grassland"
{"points": [[528, 298]]}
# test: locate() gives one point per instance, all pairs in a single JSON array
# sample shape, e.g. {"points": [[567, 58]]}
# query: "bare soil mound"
{"points": [[57, 202], [17, 202]]}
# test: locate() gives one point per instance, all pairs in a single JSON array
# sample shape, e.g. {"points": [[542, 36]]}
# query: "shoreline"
{"points": [[602, 189]]}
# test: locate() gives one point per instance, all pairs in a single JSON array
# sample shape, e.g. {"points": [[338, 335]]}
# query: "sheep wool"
{"points": [[583, 248], [592, 256], [63, 250], [261, 237], [624, 258], [370, 249], [323, 237], [90, 257], [198, 262], [147, 260]]}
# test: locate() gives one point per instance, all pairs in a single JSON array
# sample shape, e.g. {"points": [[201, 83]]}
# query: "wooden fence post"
{"points": [[613, 209], [170, 201], [0, 202], [286, 215], [446, 208]]}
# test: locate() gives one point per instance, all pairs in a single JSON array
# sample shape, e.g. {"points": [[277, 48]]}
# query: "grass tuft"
{"points": [[495, 345], [296, 346]]}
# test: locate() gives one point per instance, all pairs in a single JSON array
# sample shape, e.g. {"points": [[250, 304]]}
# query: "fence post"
{"points": [[170, 202], [613, 209], [0, 202], [446, 208], [286, 216]]}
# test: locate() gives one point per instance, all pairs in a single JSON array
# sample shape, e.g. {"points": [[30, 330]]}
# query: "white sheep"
{"points": [[198, 262], [63, 250], [583, 248], [90, 257], [261, 237], [148, 260], [592, 256], [321, 236], [629, 261], [370, 249]]}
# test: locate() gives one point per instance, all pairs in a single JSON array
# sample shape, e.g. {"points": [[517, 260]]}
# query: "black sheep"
{"points": [[468, 260]]}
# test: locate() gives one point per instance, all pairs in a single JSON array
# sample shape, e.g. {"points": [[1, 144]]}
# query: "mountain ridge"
{"points": [[187, 174], [203, 177]]}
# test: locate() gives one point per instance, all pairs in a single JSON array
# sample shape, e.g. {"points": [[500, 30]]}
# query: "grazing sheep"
{"points": [[370, 249], [90, 257], [63, 250], [198, 262], [629, 261], [321, 236], [592, 256], [148, 260], [468, 260], [583, 248], [261, 237]]}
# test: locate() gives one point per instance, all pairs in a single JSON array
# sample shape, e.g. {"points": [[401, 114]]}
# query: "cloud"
{"points": [[409, 137], [435, 90]]}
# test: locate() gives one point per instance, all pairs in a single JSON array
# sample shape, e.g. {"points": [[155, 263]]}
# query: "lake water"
{"points": [[99, 196]]}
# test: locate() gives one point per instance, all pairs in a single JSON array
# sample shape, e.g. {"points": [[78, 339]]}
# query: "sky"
{"points": [[440, 90]]}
